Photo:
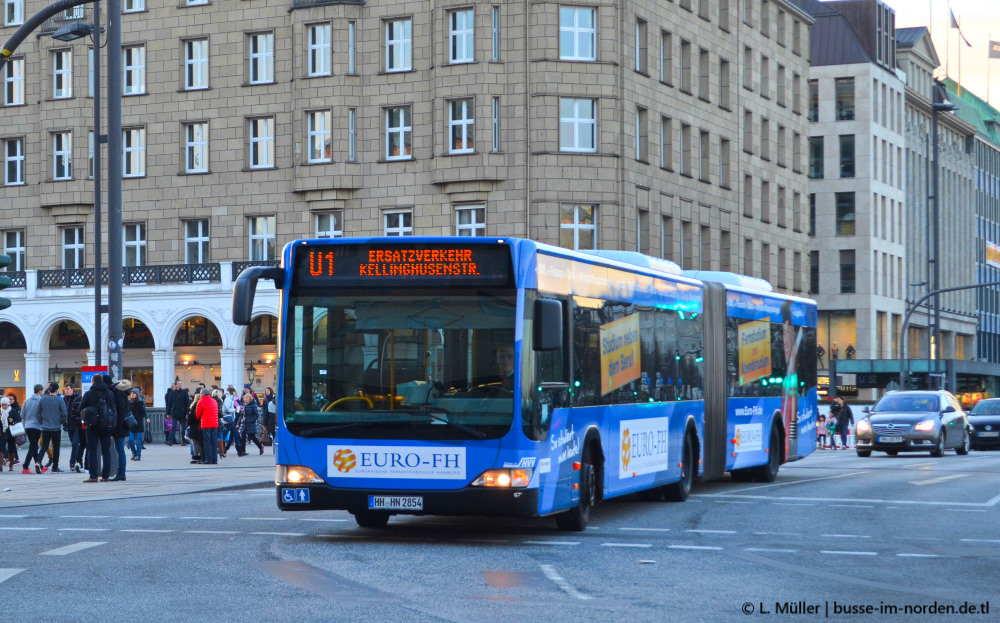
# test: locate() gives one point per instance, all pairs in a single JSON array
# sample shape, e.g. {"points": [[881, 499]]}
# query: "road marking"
{"points": [[918, 555], [264, 518], [793, 504], [851, 506], [211, 532], [839, 553], [848, 536], [140, 517], [770, 549], [551, 573], [138, 530], [994, 501], [777, 534], [19, 528], [488, 541], [70, 549], [917, 538], [6, 574], [967, 510], [626, 545], [82, 529], [324, 520], [872, 500], [207, 518], [12, 516], [83, 516], [934, 481], [551, 542], [980, 540], [793, 482], [704, 547], [731, 502], [279, 533], [712, 531], [647, 529]]}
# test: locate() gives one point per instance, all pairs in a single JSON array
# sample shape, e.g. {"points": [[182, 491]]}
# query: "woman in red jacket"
{"points": [[207, 412]]}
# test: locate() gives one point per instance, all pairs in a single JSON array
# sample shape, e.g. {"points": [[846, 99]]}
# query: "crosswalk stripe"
{"points": [[75, 547], [6, 574]]}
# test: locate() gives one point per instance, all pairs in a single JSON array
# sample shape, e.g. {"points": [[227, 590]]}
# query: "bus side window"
{"points": [[549, 341]]}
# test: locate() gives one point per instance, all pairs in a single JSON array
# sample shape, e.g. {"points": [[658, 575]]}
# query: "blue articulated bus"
{"points": [[499, 376]]}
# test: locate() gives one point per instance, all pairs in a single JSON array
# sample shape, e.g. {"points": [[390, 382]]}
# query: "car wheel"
{"points": [[966, 445], [864, 453], [938, 450]]}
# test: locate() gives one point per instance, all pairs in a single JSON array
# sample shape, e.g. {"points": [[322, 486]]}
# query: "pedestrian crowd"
{"points": [[837, 424]]}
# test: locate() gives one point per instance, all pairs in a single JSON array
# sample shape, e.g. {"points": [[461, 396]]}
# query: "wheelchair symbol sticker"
{"points": [[295, 496]]}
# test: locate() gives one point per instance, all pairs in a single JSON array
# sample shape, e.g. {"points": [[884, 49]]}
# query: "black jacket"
{"points": [[122, 411], [73, 407], [177, 405], [97, 391]]}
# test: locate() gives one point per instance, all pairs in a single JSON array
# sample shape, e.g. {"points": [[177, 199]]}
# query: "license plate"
{"points": [[890, 440], [990, 434], [396, 502]]}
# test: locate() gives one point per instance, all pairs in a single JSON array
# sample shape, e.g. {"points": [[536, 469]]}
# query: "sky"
{"points": [[979, 21]]}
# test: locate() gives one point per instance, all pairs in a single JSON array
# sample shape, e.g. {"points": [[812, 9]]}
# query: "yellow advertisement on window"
{"points": [[755, 350], [619, 352]]}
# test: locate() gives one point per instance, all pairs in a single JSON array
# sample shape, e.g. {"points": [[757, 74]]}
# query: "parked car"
{"points": [[914, 421], [985, 421]]}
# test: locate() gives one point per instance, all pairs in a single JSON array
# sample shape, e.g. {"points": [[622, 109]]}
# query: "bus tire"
{"points": [[577, 518], [768, 472], [371, 519], [680, 490], [741, 475], [651, 495]]}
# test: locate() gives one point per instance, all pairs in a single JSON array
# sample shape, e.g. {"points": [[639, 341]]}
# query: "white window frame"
{"points": [[461, 128], [195, 64], [495, 129], [62, 155], [319, 138], [261, 231], [319, 39], [352, 67], [134, 70], [495, 35], [62, 74], [13, 12], [260, 48], [90, 154], [330, 224], [461, 38], [399, 45], [134, 152], [195, 2], [404, 131], [261, 143], [133, 6], [72, 244], [196, 147], [569, 25], [575, 128], [352, 135], [576, 226], [13, 160], [13, 246], [470, 220], [198, 235], [90, 71], [394, 223], [13, 82], [134, 242], [73, 12]]}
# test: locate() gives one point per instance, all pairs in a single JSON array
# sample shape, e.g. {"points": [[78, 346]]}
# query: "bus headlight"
{"points": [[519, 477], [294, 475]]}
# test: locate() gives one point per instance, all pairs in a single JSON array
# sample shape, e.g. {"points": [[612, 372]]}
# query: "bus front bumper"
{"points": [[492, 501]]}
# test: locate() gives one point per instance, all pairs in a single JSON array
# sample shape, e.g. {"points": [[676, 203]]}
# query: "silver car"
{"points": [[914, 421]]}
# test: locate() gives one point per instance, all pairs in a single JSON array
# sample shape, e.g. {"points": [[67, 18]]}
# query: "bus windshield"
{"points": [[403, 364]]}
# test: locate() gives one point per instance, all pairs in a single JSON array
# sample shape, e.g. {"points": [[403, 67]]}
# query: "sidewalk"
{"points": [[163, 470]]}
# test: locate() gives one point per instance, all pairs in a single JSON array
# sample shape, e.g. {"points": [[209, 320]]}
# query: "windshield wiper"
{"points": [[433, 413]]}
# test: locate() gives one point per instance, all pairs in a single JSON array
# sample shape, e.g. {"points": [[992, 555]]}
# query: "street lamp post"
{"points": [[940, 104], [115, 339]]}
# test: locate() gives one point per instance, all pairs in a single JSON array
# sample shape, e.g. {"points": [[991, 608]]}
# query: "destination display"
{"points": [[403, 264]]}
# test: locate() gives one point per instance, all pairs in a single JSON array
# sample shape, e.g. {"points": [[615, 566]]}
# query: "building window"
{"points": [[470, 220], [725, 82], [816, 157], [13, 161], [398, 223], [13, 14], [62, 74], [765, 202], [796, 94], [782, 208], [578, 227], [845, 214], [352, 135], [495, 39], [781, 146], [73, 13], [641, 46], [781, 86], [765, 77], [399, 45], [845, 98], [135, 245], [13, 82], [748, 196], [641, 134], [196, 241], [814, 272], [90, 71], [262, 143], [765, 139], [262, 243], [796, 152], [847, 155], [196, 147], [577, 125], [261, 57], [686, 149], [398, 134], [725, 167], [847, 275], [747, 131], [461, 39], [62, 155], [319, 136], [577, 34], [134, 144], [666, 57], [704, 68], [134, 68], [133, 6], [814, 100], [352, 67], [747, 68], [72, 247], [195, 2], [496, 125], [461, 127], [330, 224], [686, 66], [666, 143], [13, 247], [319, 49], [704, 157], [812, 214], [196, 64], [90, 154]]}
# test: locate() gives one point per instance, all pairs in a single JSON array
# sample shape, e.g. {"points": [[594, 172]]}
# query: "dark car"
{"points": [[985, 421], [914, 421]]}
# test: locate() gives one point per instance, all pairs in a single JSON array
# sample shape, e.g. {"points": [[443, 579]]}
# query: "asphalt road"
{"points": [[835, 531]]}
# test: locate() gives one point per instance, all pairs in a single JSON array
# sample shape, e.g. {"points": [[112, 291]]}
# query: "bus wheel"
{"points": [[371, 519], [576, 518], [769, 471], [680, 490], [741, 475], [651, 495]]}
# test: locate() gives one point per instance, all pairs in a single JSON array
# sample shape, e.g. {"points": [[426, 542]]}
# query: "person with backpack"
{"points": [[74, 428], [32, 418], [120, 392], [54, 416], [97, 408]]}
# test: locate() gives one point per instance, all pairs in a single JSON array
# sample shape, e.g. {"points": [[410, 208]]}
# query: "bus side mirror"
{"points": [[246, 288], [548, 331]]}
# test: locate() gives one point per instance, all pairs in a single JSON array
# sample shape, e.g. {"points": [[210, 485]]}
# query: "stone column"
{"points": [[163, 375], [233, 368], [36, 370]]}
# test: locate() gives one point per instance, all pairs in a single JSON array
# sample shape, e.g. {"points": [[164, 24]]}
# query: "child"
{"points": [[821, 432], [831, 430]]}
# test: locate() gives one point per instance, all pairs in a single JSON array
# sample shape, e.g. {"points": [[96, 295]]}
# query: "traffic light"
{"points": [[4, 281]]}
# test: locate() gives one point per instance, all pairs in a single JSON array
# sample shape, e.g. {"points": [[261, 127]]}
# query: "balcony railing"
{"points": [[17, 278], [131, 275], [239, 266]]}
